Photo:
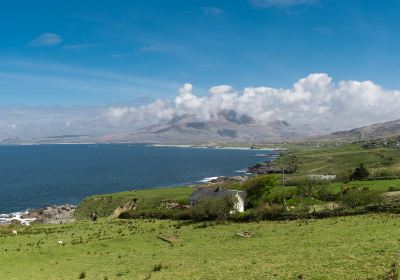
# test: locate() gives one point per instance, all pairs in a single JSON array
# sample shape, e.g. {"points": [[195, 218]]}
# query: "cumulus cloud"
{"points": [[314, 101], [46, 40]]}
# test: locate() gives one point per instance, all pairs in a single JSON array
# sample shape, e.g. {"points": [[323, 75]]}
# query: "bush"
{"points": [[206, 210], [213, 209], [360, 173], [360, 197], [157, 267], [264, 213], [257, 188], [268, 212], [316, 189]]}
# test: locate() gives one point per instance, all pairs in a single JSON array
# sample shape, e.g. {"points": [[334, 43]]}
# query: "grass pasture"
{"points": [[341, 160], [105, 204], [357, 247]]}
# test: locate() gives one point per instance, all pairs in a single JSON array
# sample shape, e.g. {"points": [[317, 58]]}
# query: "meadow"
{"points": [[342, 159], [358, 247]]}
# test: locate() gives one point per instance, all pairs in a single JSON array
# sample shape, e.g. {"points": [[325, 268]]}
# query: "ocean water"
{"points": [[41, 175]]}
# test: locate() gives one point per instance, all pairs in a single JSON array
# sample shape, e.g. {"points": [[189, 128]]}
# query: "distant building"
{"points": [[202, 193], [322, 177]]}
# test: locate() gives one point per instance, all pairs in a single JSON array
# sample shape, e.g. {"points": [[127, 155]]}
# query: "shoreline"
{"points": [[22, 214], [247, 148], [55, 214]]}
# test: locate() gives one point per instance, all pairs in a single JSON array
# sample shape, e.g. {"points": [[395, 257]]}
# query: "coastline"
{"points": [[21, 214], [247, 148], [56, 214]]}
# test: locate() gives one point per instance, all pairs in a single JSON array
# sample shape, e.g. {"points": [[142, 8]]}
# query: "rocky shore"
{"points": [[49, 215], [269, 167], [226, 179]]}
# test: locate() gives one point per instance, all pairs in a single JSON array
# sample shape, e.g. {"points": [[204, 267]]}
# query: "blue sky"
{"points": [[96, 53]]}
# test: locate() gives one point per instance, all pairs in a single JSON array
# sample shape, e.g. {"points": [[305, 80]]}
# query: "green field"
{"points": [[105, 204], [356, 247], [353, 247], [342, 159]]}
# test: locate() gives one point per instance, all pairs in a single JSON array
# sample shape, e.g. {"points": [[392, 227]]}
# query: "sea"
{"points": [[34, 176]]}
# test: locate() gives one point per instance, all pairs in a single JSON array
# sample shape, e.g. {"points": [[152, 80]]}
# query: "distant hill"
{"points": [[227, 127], [375, 131]]}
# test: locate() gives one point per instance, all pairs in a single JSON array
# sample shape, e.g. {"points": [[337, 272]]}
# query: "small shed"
{"points": [[202, 193]]}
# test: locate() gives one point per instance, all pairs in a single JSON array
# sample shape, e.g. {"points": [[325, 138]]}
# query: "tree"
{"points": [[360, 173], [257, 188]]}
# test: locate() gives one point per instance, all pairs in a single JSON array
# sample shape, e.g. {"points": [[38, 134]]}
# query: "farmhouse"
{"points": [[202, 193], [325, 177]]}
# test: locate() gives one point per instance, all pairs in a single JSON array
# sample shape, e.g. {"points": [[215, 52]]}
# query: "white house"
{"points": [[202, 193], [322, 177]]}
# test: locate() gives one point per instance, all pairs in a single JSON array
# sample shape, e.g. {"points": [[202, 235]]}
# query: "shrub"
{"points": [[257, 188], [315, 189], [267, 212], [82, 275], [360, 173], [360, 197], [213, 209], [157, 267], [208, 209]]}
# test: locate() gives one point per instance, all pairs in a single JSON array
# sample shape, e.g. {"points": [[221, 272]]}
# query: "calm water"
{"points": [[38, 176]]}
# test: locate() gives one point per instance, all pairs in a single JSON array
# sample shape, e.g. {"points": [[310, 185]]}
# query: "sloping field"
{"points": [[337, 248]]}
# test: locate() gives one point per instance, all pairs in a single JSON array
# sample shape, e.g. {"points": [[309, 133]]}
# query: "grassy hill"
{"points": [[331, 159], [104, 205], [356, 247], [347, 247]]}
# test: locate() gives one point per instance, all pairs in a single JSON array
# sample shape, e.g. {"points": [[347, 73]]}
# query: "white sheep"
{"points": [[60, 242], [14, 232]]}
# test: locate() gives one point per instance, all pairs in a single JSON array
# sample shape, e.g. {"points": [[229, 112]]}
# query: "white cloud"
{"points": [[315, 100], [46, 39], [221, 89], [283, 3]]}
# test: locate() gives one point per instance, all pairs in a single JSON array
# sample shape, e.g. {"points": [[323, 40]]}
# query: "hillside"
{"points": [[112, 249], [375, 131], [227, 127], [342, 160]]}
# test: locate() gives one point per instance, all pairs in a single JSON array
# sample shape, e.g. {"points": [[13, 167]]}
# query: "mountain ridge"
{"points": [[226, 127], [373, 131]]}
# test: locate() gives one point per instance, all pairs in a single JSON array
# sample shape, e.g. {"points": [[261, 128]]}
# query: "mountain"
{"points": [[374, 131], [226, 127]]}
